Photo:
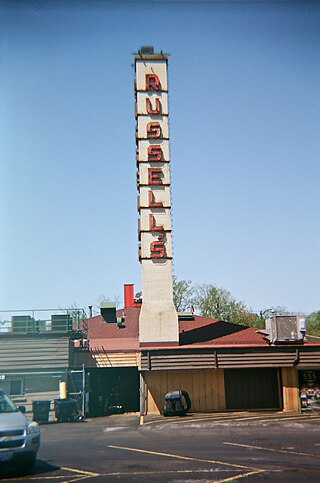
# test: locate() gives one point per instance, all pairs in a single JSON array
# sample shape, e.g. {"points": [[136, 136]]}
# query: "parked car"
{"points": [[19, 437]]}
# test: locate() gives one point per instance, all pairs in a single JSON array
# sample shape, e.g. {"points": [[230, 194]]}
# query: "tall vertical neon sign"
{"points": [[158, 318]]}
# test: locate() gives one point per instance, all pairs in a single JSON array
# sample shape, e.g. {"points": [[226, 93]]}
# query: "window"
{"points": [[16, 387]]}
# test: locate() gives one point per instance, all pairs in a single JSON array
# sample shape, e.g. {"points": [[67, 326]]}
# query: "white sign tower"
{"points": [[158, 321]]}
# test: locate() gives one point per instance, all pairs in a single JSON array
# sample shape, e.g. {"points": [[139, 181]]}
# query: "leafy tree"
{"points": [[251, 319], [313, 324], [183, 294], [212, 301]]}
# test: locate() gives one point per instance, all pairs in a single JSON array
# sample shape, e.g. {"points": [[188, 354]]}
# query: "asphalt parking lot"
{"points": [[222, 447]]}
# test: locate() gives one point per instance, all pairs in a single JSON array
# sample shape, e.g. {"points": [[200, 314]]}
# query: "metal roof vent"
{"points": [[108, 311], [185, 316], [147, 50]]}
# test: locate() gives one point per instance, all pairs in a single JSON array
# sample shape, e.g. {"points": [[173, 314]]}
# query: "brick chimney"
{"points": [[128, 295]]}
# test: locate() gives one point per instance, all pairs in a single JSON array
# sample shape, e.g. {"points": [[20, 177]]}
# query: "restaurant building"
{"points": [[223, 366]]}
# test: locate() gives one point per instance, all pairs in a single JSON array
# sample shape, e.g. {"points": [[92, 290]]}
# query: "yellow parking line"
{"points": [[272, 449], [237, 477], [78, 478], [185, 472], [288, 418], [243, 416], [193, 420], [31, 478], [199, 417], [41, 478], [81, 472], [187, 458], [168, 472], [271, 417]]}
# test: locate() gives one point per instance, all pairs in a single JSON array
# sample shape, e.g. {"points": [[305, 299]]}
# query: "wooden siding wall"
{"points": [[106, 359], [116, 359], [310, 359], [251, 359], [227, 359], [158, 361], [205, 387], [290, 393], [27, 354]]}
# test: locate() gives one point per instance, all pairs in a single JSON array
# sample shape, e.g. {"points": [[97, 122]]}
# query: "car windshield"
{"points": [[6, 405]]}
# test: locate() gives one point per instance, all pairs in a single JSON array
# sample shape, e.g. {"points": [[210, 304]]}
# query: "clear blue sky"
{"points": [[244, 90]]}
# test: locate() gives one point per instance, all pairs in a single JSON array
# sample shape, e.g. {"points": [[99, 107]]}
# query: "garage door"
{"points": [[252, 389]]}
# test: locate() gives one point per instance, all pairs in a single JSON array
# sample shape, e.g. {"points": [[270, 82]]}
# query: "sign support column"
{"points": [[158, 321]]}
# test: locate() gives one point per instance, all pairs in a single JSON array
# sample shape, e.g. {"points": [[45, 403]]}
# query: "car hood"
{"points": [[13, 421]]}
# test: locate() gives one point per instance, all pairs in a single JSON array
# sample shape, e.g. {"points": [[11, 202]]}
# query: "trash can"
{"points": [[177, 403], [41, 410], [65, 410]]}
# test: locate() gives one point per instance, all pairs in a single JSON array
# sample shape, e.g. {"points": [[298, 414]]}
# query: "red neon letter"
{"points": [[152, 226], [157, 249], [155, 152], [152, 203], [156, 110], [152, 82], [153, 130], [154, 176]]}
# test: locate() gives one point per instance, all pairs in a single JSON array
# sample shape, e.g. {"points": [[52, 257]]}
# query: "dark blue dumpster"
{"points": [[41, 410], [66, 410]]}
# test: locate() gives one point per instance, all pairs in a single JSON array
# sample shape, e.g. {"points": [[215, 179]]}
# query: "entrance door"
{"points": [[252, 388], [113, 386]]}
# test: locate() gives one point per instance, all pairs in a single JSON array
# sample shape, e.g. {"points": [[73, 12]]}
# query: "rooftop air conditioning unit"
{"points": [[61, 322], [23, 323], [285, 328]]}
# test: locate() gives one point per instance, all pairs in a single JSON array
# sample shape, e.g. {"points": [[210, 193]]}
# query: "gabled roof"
{"points": [[200, 332]]}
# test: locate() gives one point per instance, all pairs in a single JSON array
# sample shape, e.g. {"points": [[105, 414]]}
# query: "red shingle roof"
{"points": [[107, 335], [200, 332], [204, 331]]}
